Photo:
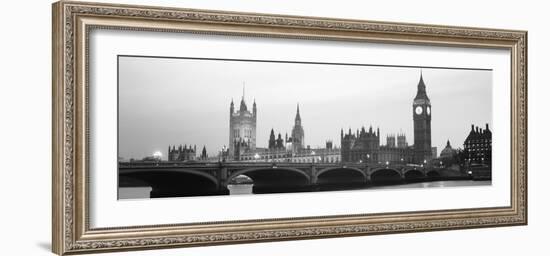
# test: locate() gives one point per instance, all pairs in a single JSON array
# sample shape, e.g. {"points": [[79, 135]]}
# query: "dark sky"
{"points": [[180, 101]]}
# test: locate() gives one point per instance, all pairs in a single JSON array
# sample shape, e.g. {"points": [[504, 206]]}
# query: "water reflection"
{"points": [[439, 184], [244, 186]]}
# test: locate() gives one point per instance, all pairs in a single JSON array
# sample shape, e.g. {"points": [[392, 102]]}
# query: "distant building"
{"points": [[204, 155], [242, 129], [364, 146], [390, 141], [448, 156], [402, 141], [147, 159], [361, 146], [448, 151], [478, 146], [306, 155], [182, 153], [434, 153], [275, 144]]}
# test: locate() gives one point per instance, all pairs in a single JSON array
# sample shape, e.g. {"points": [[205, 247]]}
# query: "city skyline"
{"points": [[364, 96]]}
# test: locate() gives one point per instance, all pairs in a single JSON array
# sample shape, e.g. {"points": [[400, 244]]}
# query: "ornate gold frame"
{"points": [[73, 20]]}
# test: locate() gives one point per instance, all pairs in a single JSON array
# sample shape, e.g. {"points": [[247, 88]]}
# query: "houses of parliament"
{"points": [[363, 145]]}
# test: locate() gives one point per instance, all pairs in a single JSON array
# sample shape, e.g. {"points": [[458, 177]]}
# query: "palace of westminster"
{"points": [[362, 145]]}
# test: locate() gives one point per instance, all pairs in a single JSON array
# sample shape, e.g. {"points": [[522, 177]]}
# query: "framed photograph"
{"points": [[179, 127]]}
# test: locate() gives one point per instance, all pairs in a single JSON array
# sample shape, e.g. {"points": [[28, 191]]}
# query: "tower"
{"points": [[242, 128], [347, 142], [402, 141], [390, 141], [204, 155], [272, 143], [422, 118], [297, 132]]}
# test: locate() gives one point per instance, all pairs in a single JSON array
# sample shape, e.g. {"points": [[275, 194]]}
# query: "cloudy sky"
{"points": [[166, 101]]}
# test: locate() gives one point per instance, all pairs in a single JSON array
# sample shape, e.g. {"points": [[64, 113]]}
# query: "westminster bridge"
{"points": [[211, 178]]}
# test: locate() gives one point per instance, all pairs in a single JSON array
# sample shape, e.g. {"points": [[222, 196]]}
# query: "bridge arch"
{"points": [[245, 171], [433, 174], [174, 182], [413, 174], [385, 176], [340, 168], [275, 180], [138, 172]]}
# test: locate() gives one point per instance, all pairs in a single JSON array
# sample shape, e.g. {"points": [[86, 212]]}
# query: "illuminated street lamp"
{"points": [[256, 156], [224, 150]]}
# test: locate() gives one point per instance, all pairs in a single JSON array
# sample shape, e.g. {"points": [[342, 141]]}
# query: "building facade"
{"points": [[364, 146], [182, 153], [361, 146], [448, 151], [305, 155], [478, 146], [392, 153], [242, 129]]}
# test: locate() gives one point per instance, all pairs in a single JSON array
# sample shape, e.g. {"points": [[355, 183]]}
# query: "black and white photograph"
{"points": [[204, 127]]}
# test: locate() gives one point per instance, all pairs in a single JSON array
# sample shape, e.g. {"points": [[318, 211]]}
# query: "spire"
{"points": [[448, 143], [254, 111], [298, 112], [421, 90], [243, 106], [203, 154]]}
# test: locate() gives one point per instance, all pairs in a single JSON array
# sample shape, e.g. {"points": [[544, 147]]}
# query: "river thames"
{"points": [[143, 192]]}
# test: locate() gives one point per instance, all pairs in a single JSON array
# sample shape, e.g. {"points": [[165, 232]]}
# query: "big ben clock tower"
{"points": [[422, 116]]}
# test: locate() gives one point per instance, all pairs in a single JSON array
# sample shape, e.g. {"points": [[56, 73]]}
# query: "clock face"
{"points": [[418, 110], [428, 110]]}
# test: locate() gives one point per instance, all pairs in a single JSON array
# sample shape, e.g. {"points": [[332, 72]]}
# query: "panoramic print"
{"points": [[204, 127]]}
